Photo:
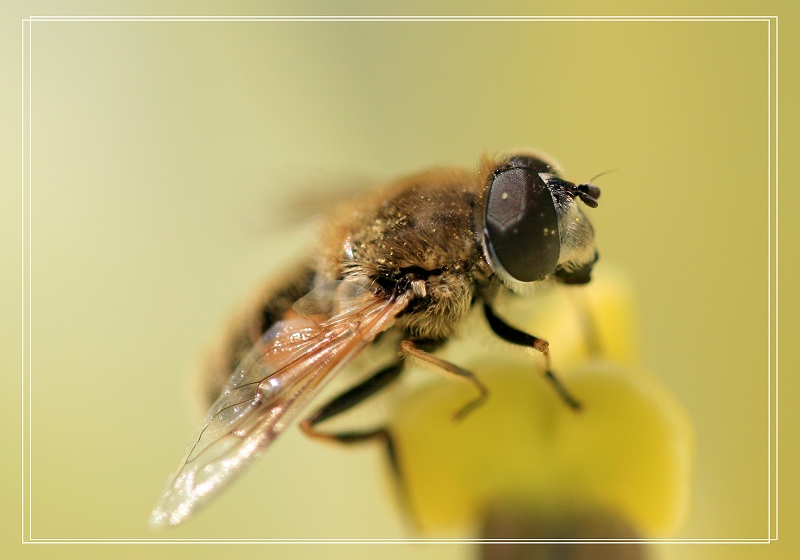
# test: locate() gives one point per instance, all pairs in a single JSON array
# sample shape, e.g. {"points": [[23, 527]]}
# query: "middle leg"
{"points": [[412, 348]]}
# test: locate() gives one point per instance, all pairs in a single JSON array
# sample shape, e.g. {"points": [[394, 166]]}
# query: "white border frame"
{"points": [[772, 290]]}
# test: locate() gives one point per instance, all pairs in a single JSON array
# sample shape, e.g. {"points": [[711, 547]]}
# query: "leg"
{"points": [[411, 348], [516, 336], [348, 400]]}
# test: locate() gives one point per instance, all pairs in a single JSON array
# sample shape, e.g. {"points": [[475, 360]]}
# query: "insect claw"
{"points": [[568, 399]]}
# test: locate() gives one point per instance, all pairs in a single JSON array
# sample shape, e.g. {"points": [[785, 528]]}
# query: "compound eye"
{"points": [[521, 226]]}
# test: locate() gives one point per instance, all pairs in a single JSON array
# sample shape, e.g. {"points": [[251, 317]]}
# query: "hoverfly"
{"points": [[413, 258]]}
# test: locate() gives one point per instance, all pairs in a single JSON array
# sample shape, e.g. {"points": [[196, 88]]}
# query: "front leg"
{"points": [[521, 338]]}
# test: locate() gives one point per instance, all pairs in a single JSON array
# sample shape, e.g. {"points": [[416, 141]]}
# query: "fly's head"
{"points": [[533, 226]]}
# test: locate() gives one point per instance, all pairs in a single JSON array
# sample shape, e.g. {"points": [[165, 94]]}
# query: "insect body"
{"points": [[414, 259]]}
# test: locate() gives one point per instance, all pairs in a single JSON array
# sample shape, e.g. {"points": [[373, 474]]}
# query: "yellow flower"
{"points": [[626, 454]]}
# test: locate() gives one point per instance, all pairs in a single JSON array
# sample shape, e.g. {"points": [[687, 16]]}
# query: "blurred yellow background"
{"points": [[163, 152]]}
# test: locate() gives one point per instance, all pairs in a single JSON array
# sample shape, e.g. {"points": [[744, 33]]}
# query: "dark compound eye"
{"points": [[521, 225], [534, 164]]}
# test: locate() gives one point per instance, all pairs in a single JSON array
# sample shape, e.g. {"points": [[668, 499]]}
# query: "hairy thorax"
{"points": [[417, 234]]}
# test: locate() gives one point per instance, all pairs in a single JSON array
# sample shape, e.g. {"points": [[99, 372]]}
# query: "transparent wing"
{"points": [[270, 386]]}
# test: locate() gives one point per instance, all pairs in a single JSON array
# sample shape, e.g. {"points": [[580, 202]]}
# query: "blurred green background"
{"points": [[163, 152]]}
